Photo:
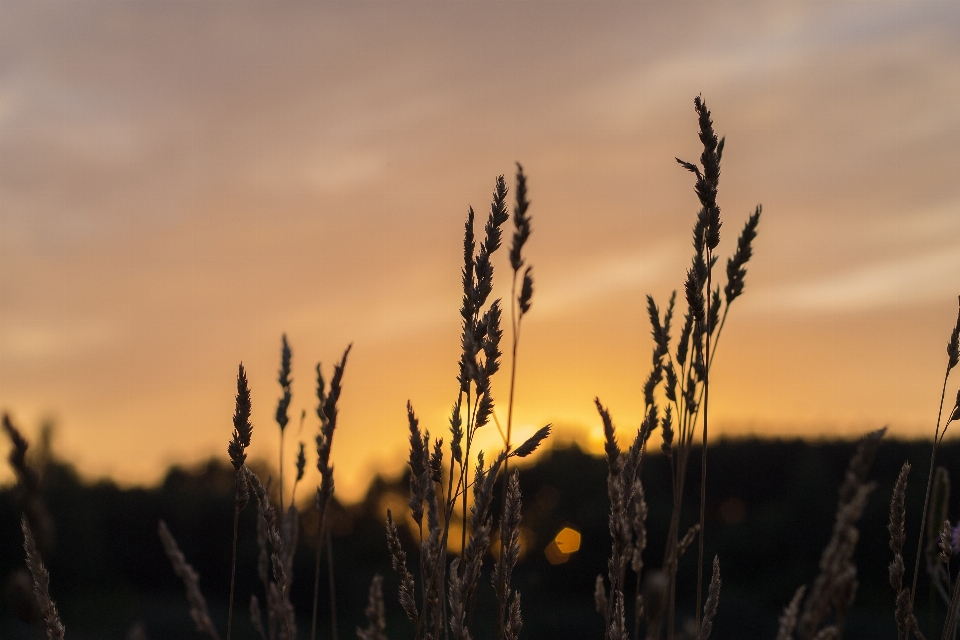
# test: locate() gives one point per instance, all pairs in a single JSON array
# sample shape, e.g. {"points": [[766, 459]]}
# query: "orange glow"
{"points": [[566, 542]]}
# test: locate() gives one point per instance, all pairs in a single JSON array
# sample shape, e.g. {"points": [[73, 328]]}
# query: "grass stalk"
{"points": [[233, 567], [316, 582], [926, 499], [703, 452], [332, 585], [236, 449]]}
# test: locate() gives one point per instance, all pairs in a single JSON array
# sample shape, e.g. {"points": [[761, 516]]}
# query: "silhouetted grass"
{"points": [[768, 507]]}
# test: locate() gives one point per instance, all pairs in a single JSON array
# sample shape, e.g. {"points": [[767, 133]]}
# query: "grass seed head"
{"points": [[713, 600], [736, 265], [532, 442], [18, 456], [242, 428], [521, 221], [417, 467], [898, 511], [191, 580], [41, 584], [283, 377], [301, 463], [946, 533], [953, 347], [526, 292]]}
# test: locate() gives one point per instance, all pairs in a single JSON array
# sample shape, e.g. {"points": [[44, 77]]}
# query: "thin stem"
{"points": [[515, 325], [723, 321], [703, 453], [926, 500], [316, 580], [281, 474], [716, 342], [233, 567], [636, 610], [464, 469], [333, 592]]}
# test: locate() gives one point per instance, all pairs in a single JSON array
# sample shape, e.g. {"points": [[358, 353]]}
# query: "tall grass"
{"points": [[938, 564], [680, 380], [448, 588], [440, 595]]}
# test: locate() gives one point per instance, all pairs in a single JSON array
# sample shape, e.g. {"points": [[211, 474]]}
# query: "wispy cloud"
{"points": [[583, 283], [917, 279]]}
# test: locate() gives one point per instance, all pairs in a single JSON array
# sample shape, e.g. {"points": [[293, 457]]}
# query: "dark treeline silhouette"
{"points": [[770, 509]]}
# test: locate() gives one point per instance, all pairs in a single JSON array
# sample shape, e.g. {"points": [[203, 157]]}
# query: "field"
{"points": [[753, 539]]}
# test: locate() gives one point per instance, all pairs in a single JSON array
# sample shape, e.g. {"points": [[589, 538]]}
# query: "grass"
{"points": [[439, 593]]}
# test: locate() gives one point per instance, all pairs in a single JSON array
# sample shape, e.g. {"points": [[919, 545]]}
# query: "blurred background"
{"points": [[183, 183]]}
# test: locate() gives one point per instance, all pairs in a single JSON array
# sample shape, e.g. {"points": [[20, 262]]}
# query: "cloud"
{"points": [[916, 279], [588, 282]]}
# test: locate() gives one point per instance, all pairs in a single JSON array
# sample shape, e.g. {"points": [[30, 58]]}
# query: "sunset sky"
{"points": [[181, 183]]}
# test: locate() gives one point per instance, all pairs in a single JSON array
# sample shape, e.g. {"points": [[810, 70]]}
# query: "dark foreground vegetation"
{"points": [[768, 512], [770, 516]]}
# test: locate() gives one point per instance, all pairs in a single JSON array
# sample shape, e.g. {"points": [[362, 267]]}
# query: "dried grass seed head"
{"points": [[18, 456], [946, 548], [736, 265], [321, 394], [336, 388], [670, 381], [953, 346], [301, 462], [436, 461], [511, 630], [713, 600], [484, 406], [521, 221], [526, 292], [490, 340], [41, 583], [375, 612], [707, 184], [788, 619], [898, 510], [242, 428], [610, 446], [509, 538], [283, 377], [683, 344], [939, 505], [532, 442], [694, 293], [483, 267], [666, 426], [456, 432], [650, 386], [191, 581], [417, 466], [600, 596], [469, 246], [398, 557], [659, 331], [498, 216]]}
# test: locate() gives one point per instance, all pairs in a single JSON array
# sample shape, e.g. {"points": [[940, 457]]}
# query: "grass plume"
{"points": [[41, 584], [191, 580], [236, 449]]}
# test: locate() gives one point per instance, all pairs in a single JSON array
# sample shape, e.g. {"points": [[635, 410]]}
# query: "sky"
{"points": [[183, 183]]}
